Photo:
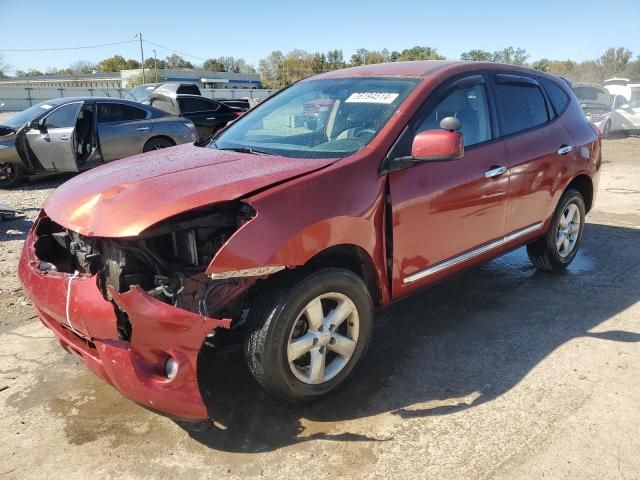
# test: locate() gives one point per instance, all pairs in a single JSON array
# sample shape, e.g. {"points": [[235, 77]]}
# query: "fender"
{"points": [[288, 233]]}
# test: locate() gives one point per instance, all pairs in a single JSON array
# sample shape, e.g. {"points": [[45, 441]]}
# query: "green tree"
{"points": [[150, 62], [335, 59], [176, 61], [419, 53], [544, 64], [477, 56], [82, 66], [272, 70], [112, 64], [133, 64], [29, 73], [3, 68], [511, 56], [150, 76], [213, 65], [614, 61]]}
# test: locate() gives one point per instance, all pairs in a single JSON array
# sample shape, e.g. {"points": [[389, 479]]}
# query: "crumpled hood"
{"points": [[123, 198]]}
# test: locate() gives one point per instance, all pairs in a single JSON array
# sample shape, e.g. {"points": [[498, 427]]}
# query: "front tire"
{"points": [[11, 175], [557, 249], [305, 340]]}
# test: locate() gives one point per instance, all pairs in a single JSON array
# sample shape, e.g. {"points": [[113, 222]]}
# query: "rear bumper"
{"points": [[85, 326]]}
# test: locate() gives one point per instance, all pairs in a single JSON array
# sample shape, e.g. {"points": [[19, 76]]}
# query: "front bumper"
{"points": [[86, 325]]}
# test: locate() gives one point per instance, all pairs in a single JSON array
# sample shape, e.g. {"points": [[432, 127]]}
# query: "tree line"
{"points": [[279, 69]]}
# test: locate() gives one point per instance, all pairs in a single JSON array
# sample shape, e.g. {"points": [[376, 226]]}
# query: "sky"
{"points": [[555, 29]]}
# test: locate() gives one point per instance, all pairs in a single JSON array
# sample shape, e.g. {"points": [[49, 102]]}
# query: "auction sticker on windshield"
{"points": [[372, 97]]}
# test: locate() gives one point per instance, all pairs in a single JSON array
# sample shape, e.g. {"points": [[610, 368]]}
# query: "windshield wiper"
{"points": [[245, 150]]}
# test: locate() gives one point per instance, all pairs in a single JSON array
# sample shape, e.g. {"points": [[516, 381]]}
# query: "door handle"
{"points": [[565, 149], [64, 138], [495, 172], [211, 118], [142, 129]]}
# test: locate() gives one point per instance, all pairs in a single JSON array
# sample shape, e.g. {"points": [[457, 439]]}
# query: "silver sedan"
{"points": [[76, 134]]}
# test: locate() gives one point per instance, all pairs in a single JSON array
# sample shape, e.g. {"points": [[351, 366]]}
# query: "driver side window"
{"points": [[63, 117], [465, 100]]}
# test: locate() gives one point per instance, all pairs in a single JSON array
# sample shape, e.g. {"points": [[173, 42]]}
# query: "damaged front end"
{"points": [[138, 310]]}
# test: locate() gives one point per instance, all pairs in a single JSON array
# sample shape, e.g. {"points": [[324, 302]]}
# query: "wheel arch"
{"points": [[162, 136], [583, 184], [350, 257]]}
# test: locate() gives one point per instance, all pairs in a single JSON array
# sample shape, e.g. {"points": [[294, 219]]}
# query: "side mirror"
{"points": [[37, 124], [626, 106], [438, 145]]}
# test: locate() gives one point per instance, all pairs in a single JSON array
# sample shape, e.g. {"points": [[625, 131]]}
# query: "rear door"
{"points": [[445, 213], [538, 145], [122, 129], [54, 144]]}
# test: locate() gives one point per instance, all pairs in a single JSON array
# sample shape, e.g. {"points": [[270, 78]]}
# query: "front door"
{"points": [[54, 144], [443, 213]]}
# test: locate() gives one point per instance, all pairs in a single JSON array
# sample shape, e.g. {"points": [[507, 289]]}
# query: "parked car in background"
{"points": [[141, 92], [242, 104], [597, 103], [293, 237], [76, 134], [208, 115]]}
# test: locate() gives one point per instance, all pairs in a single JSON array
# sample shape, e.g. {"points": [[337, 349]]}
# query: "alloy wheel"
{"points": [[568, 230], [323, 338]]}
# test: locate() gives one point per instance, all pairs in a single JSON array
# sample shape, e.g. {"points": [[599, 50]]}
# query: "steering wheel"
{"points": [[364, 132]]}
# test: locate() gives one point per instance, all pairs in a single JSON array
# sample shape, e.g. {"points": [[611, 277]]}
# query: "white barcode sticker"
{"points": [[372, 97]]}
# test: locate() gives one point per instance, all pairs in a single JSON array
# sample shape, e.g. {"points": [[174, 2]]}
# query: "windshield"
{"points": [[28, 115], [141, 93], [318, 118]]}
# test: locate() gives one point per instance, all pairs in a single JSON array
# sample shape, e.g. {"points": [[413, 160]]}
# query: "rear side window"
{"points": [[190, 105], [117, 112], [558, 98], [521, 105]]}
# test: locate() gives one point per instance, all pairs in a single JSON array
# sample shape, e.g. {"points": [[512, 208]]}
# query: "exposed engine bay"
{"points": [[168, 260]]}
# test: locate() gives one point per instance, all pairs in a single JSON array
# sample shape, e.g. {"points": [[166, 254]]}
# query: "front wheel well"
{"points": [[584, 185], [350, 257]]}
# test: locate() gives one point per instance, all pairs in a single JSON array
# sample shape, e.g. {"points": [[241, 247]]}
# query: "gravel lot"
{"points": [[502, 372]]}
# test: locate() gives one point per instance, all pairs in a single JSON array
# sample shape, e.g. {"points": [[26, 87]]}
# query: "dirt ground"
{"points": [[502, 372]]}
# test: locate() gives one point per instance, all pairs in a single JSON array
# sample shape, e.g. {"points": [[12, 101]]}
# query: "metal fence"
{"points": [[16, 98]]}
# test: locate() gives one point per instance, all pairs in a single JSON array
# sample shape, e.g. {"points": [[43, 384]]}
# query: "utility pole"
{"points": [[139, 35], [155, 64]]}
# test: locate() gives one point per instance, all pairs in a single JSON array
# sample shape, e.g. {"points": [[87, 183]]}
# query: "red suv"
{"points": [[295, 236]]}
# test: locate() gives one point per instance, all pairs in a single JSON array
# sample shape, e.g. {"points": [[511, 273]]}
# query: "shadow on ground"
{"points": [[456, 345]]}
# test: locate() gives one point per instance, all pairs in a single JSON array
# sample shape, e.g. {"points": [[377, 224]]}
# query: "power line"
{"points": [[65, 48], [174, 51]]}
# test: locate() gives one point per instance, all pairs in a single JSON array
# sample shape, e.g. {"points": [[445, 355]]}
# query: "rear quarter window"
{"points": [[558, 98], [521, 104]]}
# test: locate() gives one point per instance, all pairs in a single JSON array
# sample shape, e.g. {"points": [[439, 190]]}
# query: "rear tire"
{"points": [[557, 249], [11, 175], [304, 340], [157, 143]]}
